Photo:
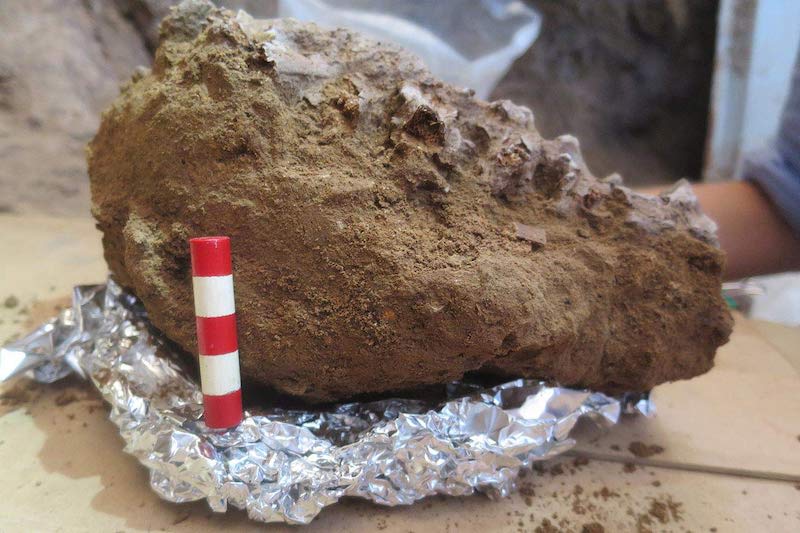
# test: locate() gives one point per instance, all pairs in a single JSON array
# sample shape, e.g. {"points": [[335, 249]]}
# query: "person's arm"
{"points": [[759, 218], [752, 232]]}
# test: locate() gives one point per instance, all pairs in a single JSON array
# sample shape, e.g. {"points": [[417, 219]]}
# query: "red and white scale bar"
{"points": [[215, 311]]}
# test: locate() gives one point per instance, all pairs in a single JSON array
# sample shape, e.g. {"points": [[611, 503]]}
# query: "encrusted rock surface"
{"points": [[388, 230]]}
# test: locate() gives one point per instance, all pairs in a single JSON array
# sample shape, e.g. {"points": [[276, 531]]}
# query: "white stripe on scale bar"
{"points": [[213, 295], [219, 374]]}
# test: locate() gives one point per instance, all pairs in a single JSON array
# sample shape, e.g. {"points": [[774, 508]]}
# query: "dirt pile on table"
{"points": [[389, 230]]}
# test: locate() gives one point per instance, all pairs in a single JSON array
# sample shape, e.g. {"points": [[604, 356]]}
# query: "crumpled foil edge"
{"points": [[287, 465]]}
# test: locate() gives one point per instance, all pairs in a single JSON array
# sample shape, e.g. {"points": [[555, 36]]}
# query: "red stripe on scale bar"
{"points": [[211, 256], [216, 335], [223, 411]]}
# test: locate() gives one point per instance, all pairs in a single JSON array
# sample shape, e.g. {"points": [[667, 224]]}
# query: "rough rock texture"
{"points": [[146, 15], [621, 74], [389, 230]]}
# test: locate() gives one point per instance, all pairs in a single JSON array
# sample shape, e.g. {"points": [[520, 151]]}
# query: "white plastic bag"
{"points": [[464, 42]]}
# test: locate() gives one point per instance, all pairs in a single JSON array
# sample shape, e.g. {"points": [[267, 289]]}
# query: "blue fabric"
{"points": [[777, 169]]}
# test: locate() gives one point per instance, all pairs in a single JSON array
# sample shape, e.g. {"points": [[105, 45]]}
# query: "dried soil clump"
{"points": [[388, 230], [640, 449]]}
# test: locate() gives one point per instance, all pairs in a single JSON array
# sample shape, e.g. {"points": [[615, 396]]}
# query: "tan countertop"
{"points": [[63, 468]]}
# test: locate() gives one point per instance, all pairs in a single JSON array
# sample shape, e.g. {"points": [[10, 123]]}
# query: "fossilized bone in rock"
{"points": [[389, 230]]}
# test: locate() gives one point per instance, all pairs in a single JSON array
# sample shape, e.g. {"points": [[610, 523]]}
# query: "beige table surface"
{"points": [[63, 469]]}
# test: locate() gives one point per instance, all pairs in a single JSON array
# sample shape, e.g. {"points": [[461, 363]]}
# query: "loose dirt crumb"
{"points": [[665, 510], [660, 511], [527, 492], [605, 493], [65, 398], [11, 302], [615, 447], [656, 483], [580, 461], [640, 449], [14, 397], [546, 527], [578, 506], [593, 527], [629, 468], [23, 392], [643, 523]]}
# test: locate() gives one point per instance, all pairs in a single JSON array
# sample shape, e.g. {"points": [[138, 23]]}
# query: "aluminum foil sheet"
{"points": [[286, 465]]}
